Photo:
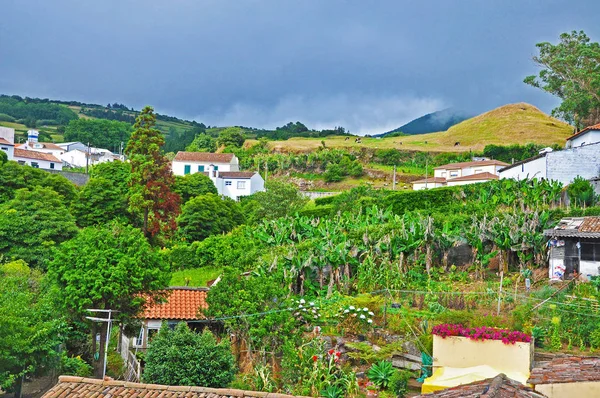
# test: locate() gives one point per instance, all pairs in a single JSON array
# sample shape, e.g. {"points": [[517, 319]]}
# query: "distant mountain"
{"points": [[430, 123]]}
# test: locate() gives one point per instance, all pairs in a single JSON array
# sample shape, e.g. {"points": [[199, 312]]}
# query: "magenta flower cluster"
{"points": [[481, 333]]}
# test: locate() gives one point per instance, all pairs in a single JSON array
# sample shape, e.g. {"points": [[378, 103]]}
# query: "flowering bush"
{"points": [[481, 333], [305, 312]]}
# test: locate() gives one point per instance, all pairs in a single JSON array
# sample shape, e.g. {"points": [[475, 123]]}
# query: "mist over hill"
{"points": [[431, 123]]}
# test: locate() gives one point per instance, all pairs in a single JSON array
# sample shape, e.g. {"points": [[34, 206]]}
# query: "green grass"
{"points": [[197, 276]]}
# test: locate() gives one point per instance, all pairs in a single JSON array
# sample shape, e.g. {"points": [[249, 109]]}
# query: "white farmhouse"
{"points": [[38, 160], [7, 147], [462, 173], [44, 147], [88, 157], [589, 135], [222, 169], [199, 162]]}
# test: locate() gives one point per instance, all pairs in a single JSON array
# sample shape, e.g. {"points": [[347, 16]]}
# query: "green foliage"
{"points": [[74, 366], [32, 224], [332, 392], [119, 173], [31, 326], [333, 173], [207, 215], [182, 357], [399, 382], [232, 136], [581, 192], [516, 152], [99, 133], [279, 199], [571, 71], [380, 374], [193, 185], [28, 108], [204, 143], [364, 352], [3, 158], [99, 201]]}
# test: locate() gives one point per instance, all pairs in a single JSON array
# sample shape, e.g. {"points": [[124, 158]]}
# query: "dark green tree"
{"points": [[279, 200], [581, 192], [150, 194], [33, 223], [107, 267], [192, 185], [207, 215], [203, 143], [182, 357], [108, 134], [232, 136], [31, 326], [119, 173], [571, 71], [99, 201]]}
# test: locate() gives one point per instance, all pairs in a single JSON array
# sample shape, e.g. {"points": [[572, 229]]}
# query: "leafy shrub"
{"points": [[333, 173], [399, 382], [181, 357], [6, 118], [332, 392], [381, 373], [74, 366], [581, 192]]}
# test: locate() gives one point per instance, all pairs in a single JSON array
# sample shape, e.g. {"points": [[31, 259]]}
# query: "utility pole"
{"points": [[109, 320], [394, 184], [266, 169], [426, 166], [87, 160]]}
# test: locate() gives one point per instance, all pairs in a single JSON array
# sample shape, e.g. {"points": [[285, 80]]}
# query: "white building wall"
{"points": [[9, 150], [238, 187], [8, 134], [565, 165], [42, 164], [589, 268], [589, 137], [429, 185], [258, 183], [179, 166], [451, 183], [535, 168]]}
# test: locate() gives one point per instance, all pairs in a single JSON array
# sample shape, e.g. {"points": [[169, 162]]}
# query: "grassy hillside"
{"points": [[509, 124], [430, 123]]}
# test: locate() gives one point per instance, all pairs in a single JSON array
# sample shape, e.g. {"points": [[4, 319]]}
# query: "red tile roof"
{"points": [[585, 130], [461, 165], [21, 153], [203, 157], [236, 174], [476, 177], [181, 303], [437, 180], [45, 145], [79, 387], [566, 370], [582, 227], [5, 142], [497, 387]]}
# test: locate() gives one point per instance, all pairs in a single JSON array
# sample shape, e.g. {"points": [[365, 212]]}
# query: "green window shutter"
{"points": [[201, 168], [186, 169]]}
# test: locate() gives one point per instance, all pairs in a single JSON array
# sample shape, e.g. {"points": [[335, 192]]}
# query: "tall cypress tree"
{"points": [[150, 193]]}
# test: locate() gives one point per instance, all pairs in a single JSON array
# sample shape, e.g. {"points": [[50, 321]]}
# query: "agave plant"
{"points": [[380, 373]]}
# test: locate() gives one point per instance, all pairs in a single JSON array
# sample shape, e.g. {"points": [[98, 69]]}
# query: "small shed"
{"points": [[574, 246]]}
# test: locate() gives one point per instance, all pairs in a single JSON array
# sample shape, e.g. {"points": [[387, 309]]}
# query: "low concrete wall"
{"points": [[462, 352], [586, 389]]}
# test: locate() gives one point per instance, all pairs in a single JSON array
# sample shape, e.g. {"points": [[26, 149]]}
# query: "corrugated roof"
{"points": [[453, 166], [181, 303], [21, 153], [236, 174], [582, 227], [497, 387], [585, 130], [475, 177], [566, 370], [5, 142], [79, 387], [203, 157]]}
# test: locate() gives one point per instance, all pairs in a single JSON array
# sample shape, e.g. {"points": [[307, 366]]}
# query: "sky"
{"points": [[367, 65]]}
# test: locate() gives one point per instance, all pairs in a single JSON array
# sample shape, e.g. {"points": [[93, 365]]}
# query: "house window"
{"points": [[201, 168], [21, 162], [454, 174], [151, 334], [4, 148], [35, 165], [228, 183], [590, 251], [216, 168], [187, 169], [52, 165], [241, 185]]}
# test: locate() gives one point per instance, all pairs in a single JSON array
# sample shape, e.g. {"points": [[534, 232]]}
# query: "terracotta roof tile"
{"points": [[566, 370], [236, 174], [453, 166], [5, 142], [497, 387], [46, 145], [181, 303], [78, 387], [475, 177], [203, 157], [585, 130], [20, 153]]}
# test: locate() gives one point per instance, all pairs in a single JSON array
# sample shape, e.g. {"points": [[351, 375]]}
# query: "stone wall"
{"points": [[78, 179], [567, 164]]}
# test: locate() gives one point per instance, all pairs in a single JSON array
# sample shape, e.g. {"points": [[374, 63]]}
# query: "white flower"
{"points": [[371, 313], [313, 311], [351, 307], [312, 303], [362, 316], [304, 309], [370, 320], [302, 301], [299, 305], [365, 309], [315, 317], [346, 311]]}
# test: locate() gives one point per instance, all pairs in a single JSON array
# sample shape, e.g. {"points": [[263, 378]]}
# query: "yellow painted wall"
{"points": [[587, 389], [462, 352]]}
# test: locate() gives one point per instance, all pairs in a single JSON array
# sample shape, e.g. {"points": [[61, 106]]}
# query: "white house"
{"points": [[589, 135], [462, 173], [45, 147], [38, 160], [79, 158], [186, 163], [7, 147], [235, 184]]}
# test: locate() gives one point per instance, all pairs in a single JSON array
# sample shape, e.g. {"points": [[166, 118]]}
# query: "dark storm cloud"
{"points": [[367, 65]]}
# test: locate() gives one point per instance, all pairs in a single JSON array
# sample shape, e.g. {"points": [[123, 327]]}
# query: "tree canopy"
{"points": [[203, 143], [280, 199], [108, 134], [99, 201], [192, 185], [231, 136], [571, 71]]}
